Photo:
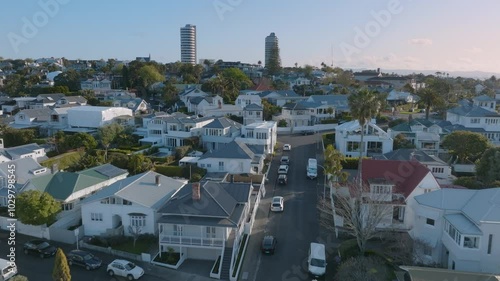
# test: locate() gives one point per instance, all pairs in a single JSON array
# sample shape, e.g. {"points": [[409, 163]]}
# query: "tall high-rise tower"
{"points": [[188, 44], [271, 43]]}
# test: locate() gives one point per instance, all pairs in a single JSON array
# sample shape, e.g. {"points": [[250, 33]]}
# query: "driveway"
{"points": [[297, 226]]}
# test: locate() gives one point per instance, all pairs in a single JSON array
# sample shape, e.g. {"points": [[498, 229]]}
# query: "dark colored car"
{"points": [[269, 244], [308, 132], [282, 179], [83, 259], [40, 248]]}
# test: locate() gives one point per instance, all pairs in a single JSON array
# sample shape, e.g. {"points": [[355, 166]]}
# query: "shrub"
{"points": [[40, 141], [348, 249], [382, 119], [282, 123], [181, 151], [169, 171], [350, 163], [330, 121], [52, 153], [469, 182]]}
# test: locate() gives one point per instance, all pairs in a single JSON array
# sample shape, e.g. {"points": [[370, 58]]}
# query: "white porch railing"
{"points": [[192, 240]]}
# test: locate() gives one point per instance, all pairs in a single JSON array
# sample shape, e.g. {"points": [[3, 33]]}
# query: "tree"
{"points": [[80, 140], [330, 111], [269, 110], [138, 163], [16, 137], [333, 164], [279, 84], [282, 123], [400, 141], [37, 208], [135, 231], [70, 79], [488, 167], [61, 268], [308, 69], [361, 210], [19, 278], [466, 145], [233, 80], [149, 75], [273, 65], [364, 105], [107, 136], [363, 268]]}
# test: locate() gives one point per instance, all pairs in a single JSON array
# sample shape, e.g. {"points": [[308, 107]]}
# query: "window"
{"points": [[352, 146], [490, 240], [475, 120], [138, 220], [96, 216], [437, 170], [221, 166], [381, 189], [471, 242], [177, 230], [453, 233], [261, 136], [126, 202], [209, 165], [202, 165], [427, 190], [210, 232], [67, 206], [430, 222], [105, 201]]}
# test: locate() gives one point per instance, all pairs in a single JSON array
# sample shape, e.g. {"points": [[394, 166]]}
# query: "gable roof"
{"points": [[222, 123], [75, 99], [483, 98], [406, 154], [106, 171], [405, 175], [62, 185], [29, 166], [253, 106], [140, 189], [282, 93], [472, 111], [196, 100], [232, 150], [295, 106], [18, 151], [40, 114], [219, 204]]}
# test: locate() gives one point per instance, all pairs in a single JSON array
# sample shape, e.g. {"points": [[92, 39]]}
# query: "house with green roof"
{"points": [[70, 188], [424, 134]]}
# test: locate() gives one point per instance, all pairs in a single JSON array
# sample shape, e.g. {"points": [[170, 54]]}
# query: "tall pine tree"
{"points": [[61, 267]]}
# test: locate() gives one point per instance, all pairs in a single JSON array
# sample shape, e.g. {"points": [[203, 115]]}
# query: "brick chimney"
{"points": [[53, 168], [157, 180], [196, 193]]}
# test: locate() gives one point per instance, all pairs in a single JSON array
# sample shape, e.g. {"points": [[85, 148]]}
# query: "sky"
{"points": [[444, 35]]}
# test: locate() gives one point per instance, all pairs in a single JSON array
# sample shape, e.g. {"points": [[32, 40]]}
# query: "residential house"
{"points": [[31, 118], [71, 101], [375, 140], [477, 116], [394, 184], [96, 84], [439, 274], [137, 105], [440, 169], [296, 114], [366, 75], [395, 82], [88, 118], [207, 220], [191, 92], [200, 105], [58, 121], [219, 132], [23, 102], [459, 229], [128, 205], [253, 113], [339, 103], [173, 130], [299, 81], [426, 135], [246, 98], [281, 97], [399, 97], [70, 188], [31, 150], [45, 100], [115, 94], [234, 157], [25, 170], [263, 133]]}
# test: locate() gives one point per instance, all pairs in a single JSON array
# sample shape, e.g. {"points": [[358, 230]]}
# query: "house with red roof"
{"points": [[395, 184]]}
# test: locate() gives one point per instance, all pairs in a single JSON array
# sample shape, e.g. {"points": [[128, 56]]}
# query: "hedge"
{"points": [[169, 171], [349, 249], [330, 121], [350, 163]]}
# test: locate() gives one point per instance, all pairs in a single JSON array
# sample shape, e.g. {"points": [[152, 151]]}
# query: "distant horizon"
{"points": [[386, 34]]}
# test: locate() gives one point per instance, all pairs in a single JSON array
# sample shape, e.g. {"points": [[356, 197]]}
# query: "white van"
{"points": [[312, 168], [8, 269], [317, 260]]}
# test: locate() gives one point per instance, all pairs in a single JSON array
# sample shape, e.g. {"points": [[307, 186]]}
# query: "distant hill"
{"points": [[470, 74]]}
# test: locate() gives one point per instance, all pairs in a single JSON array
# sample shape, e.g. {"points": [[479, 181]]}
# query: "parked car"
{"points": [[308, 132], [287, 147], [285, 160], [283, 169], [40, 248], [277, 205], [126, 269], [282, 179], [268, 244], [83, 259]]}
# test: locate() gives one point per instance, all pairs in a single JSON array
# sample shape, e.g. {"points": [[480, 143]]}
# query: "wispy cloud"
{"points": [[420, 41], [474, 50]]}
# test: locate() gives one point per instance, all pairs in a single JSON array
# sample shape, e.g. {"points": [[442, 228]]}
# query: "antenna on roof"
{"points": [[332, 55]]}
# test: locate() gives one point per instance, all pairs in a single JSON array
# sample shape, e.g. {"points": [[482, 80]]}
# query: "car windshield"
{"points": [[276, 204], [317, 263], [88, 257], [43, 245], [129, 266], [268, 243]]}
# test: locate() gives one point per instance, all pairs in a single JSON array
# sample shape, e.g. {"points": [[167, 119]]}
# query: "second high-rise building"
{"points": [[271, 46], [188, 44]]}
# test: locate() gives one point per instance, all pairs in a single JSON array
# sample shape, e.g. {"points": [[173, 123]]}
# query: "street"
{"points": [[297, 226]]}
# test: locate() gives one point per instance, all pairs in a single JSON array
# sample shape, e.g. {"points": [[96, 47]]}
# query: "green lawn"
{"points": [[64, 160], [140, 247]]}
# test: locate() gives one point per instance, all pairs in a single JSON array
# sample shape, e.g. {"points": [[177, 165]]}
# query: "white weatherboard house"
{"points": [[348, 137], [234, 157], [31, 150], [220, 132], [93, 117], [207, 220], [262, 133], [460, 229], [131, 202]]}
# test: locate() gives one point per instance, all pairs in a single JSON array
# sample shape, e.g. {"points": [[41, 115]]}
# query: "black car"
{"points": [[39, 247], [83, 259], [307, 132], [269, 244], [282, 179]]}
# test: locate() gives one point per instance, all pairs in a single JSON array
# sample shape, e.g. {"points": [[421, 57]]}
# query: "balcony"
{"points": [[192, 241]]}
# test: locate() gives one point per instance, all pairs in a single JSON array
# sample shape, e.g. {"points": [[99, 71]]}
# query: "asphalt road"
{"points": [[37, 269], [297, 226]]}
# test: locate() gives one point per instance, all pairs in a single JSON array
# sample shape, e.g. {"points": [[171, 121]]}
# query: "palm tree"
{"points": [[364, 105], [429, 98]]}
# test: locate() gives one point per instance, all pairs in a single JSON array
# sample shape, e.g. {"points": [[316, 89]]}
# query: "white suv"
{"points": [[277, 205], [125, 268], [283, 169]]}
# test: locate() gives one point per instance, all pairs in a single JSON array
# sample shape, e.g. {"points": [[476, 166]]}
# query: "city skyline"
{"points": [[394, 34]]}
